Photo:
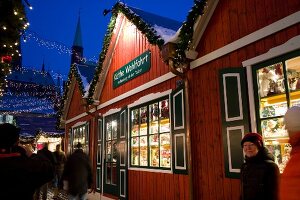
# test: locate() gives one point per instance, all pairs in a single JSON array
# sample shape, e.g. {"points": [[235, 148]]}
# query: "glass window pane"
{"points": [[154, 151], [114, 151], [135, 117], [293, 75], [271, 91], [273, 128], [108, 173], [108, 151], [164, 109], [114, 125], [154, 112], [143, 114], [108, 130], [143, 129], [135, 151], [143, 151], [165, 150]]}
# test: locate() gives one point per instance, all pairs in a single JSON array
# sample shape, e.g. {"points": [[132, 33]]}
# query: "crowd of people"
{"points": [[28, 176]]}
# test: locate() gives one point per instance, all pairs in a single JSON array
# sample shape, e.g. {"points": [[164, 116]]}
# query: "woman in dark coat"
{"points": [[259, 173]]}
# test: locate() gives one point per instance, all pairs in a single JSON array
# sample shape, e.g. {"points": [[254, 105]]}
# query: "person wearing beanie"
{"points": [[21, 171], [259, 173], [290, 178]]}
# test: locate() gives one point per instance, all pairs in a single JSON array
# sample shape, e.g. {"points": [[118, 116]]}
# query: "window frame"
{"points": [[269, 62], [147, 105]]}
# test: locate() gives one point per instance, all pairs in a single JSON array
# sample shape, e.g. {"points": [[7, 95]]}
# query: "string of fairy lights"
{"points": [[55, 45]]}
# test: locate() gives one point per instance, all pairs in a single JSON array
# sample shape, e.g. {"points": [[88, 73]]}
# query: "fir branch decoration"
{"points": [[187, 31], [149, 32]]}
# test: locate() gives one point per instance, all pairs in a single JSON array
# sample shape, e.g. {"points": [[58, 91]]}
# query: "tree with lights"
{"points": [[13, 22]]}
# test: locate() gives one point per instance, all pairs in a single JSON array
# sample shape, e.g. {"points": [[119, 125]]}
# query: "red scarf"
{"points": [[8, 155]]}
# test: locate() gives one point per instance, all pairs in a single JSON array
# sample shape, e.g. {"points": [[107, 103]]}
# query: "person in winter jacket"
{"points": [[21, 171], [46, 153], [290, 178], [259, 173], [78, 174], [59, 168]]}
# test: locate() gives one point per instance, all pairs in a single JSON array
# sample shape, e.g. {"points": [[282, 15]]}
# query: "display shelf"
{"points": [[278, 98], [276, 139]]}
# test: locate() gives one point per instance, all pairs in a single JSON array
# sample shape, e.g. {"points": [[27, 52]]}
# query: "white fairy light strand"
{"points": [[54, 45]]}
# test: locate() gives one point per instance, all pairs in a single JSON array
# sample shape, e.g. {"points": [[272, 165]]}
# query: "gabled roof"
{"points": [[83, 74], [86, 72], [163, 26], [156, 28]]}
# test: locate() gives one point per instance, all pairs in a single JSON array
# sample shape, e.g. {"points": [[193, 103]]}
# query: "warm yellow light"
{"points": [[15, 12], [4, 27]]}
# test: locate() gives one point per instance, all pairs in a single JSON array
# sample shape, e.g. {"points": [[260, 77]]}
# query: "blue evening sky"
{"points": [[53, 23]]}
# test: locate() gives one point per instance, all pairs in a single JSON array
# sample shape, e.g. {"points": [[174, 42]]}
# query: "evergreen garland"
{"points": [[187, 30], [185, 39], [73, 72], [149, 32]]}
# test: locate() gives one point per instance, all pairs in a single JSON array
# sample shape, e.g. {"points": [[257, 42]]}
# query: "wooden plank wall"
{"points": [[154, 186], [143, 185], [132, 43], [76, 105], [230, 21]]}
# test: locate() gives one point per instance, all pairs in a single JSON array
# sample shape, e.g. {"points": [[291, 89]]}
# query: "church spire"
{"points": [[77, 49], [77, 39], [43, 66]]}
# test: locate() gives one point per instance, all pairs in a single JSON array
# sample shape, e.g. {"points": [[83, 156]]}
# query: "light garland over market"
{"points": [[13, 22]]}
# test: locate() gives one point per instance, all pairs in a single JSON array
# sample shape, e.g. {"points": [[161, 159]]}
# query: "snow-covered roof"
{"points": [[86, 72], [157, 29], [165, 27], [31, 76]]}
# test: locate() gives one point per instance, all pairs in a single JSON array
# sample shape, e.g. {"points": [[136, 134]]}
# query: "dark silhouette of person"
{"points": [[21, 171], [46, 153], [78, 174]]}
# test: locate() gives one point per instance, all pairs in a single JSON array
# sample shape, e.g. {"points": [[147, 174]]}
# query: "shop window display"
{"points": [[278, 89], [150, 141], [80, 134]]}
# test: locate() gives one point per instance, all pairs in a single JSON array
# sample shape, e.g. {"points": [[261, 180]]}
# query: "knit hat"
{"points": [[9, 135], [254, 138], [292, 119]]}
